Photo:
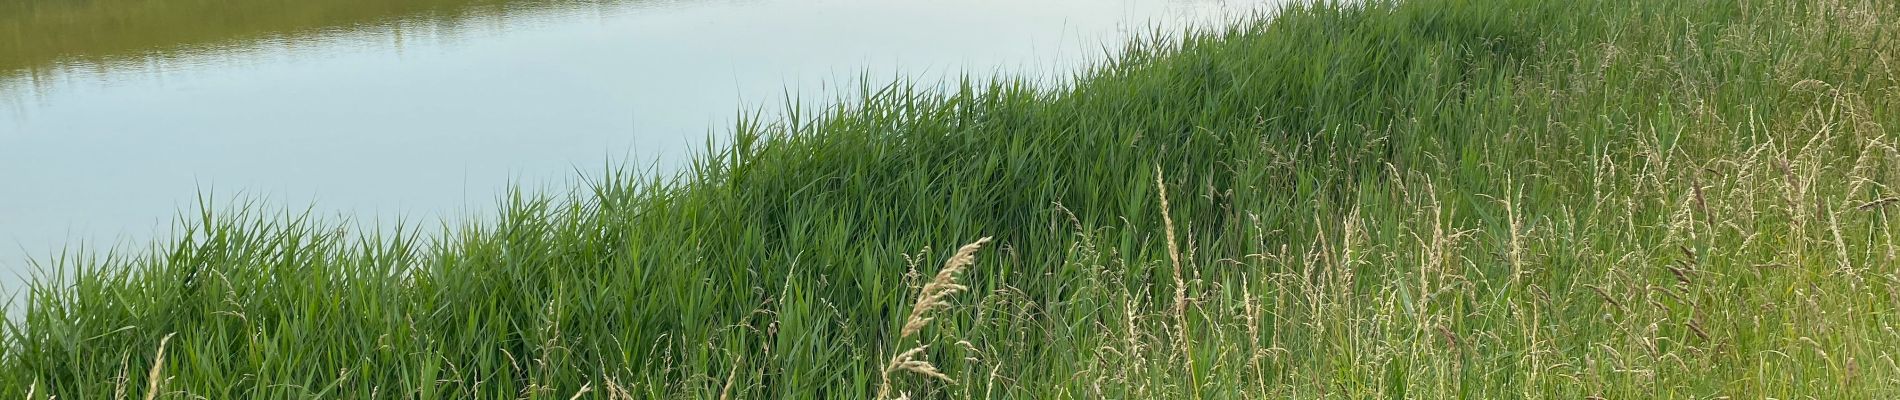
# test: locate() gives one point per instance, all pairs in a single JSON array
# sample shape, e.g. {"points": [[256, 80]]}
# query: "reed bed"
{"points": [[1590, 199]]}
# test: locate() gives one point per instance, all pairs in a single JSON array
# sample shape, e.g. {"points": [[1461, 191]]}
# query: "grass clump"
{"points": [[1419, 199]]}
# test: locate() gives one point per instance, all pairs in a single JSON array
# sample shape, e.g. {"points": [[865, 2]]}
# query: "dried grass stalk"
{"points": [[929, 299], [1180, 285], [158, 366], [942, 286]]}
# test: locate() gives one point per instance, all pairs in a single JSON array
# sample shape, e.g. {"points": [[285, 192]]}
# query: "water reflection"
{"points": [[431, 107], [61, 41], [53, 32]]}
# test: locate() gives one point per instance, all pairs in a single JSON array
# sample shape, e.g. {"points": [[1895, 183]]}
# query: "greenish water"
{"points": [[115, 115], [50, 33]]}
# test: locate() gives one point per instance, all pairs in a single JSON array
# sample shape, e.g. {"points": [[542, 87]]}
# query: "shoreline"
{"points": [[1421, 198]]}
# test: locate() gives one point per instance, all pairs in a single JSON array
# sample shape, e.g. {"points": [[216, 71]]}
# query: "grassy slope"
{"points": [[1438, 199]]}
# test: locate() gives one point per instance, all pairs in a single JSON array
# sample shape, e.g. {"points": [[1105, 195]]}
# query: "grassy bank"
{"points": [[1429, 199]]}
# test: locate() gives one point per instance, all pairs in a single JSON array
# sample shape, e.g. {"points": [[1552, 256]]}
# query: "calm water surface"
{"points": [[115, 115]]}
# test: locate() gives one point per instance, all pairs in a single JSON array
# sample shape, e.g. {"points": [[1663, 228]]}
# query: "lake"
{"points": [[116, 116]]}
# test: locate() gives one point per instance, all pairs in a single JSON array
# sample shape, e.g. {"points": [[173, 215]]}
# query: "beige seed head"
{"points": [[942, 286]]}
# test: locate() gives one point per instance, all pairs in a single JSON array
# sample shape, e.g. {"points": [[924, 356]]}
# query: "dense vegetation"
{"points": [[1605, 199]]}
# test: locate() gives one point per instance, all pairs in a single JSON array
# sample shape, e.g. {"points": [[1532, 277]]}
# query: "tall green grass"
{"points": [[1422, 199]]}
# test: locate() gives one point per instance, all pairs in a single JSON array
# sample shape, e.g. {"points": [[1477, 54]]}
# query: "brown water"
{"points": [[116, 115]]}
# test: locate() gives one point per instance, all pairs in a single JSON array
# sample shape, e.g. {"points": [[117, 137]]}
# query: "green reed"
{"points": [[1422, 199]]}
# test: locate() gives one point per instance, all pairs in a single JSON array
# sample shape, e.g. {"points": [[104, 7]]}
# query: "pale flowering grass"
{"points": [[931, 298]]}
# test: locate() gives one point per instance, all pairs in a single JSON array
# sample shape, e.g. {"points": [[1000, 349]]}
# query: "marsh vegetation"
{"points": [[1602, 199]]}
